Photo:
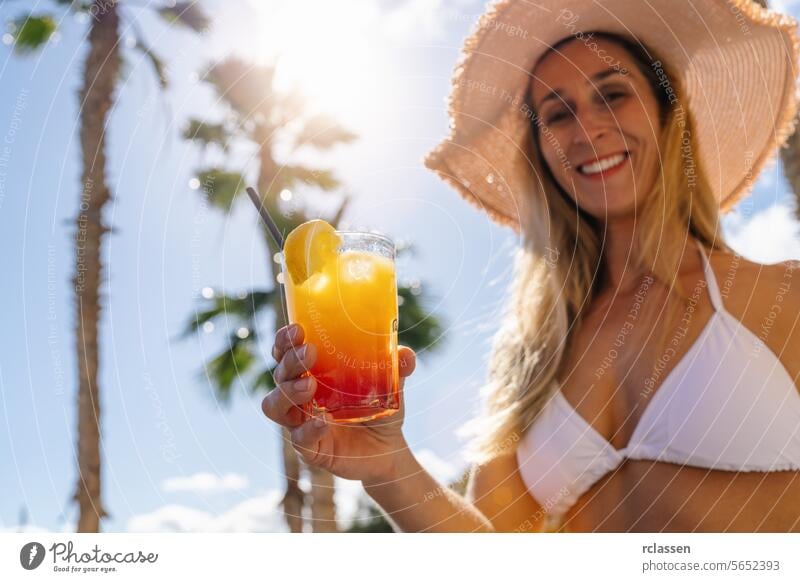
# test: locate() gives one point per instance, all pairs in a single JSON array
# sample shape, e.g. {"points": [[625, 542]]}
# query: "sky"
{"points": [[175, 459]]}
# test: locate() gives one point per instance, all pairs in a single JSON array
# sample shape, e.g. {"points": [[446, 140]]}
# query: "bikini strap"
{"points": [[711, 281]]}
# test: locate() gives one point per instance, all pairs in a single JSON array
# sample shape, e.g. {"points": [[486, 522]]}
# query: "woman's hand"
{"points": [[363, 451], [373, 452]]}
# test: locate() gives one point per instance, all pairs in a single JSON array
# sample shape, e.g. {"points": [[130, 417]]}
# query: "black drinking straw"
{"points": [[271, 226], [276, 236]]}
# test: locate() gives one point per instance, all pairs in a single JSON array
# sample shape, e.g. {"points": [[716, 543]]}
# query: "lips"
{"points": [[591, 161], [606, 172]]}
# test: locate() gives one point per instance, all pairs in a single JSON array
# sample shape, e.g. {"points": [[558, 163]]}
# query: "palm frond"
{"points": [[265, 381], [418, 328], [31, 32], [245, 87], [237, 311], [159, 69], [188, 14], [207, 133], [220, 186], [322, 132], [232, 363]]}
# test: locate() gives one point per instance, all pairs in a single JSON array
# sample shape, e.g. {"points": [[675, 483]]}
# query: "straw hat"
{"points": [[737, 63]]}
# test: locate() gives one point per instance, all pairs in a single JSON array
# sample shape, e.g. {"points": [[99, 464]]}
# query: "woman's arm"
{"points": [[497, 499], [415, 502]]}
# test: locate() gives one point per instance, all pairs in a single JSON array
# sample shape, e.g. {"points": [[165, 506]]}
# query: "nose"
{"points": [[591, 126]]}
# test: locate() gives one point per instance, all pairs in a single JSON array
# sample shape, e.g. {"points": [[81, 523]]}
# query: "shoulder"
{"points": [[766, 300], [496, 488], [740, 278]]}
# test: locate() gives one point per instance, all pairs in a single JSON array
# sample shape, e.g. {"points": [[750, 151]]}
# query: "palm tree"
{"points": [[256, 114], [97, 94], [790, 157]]}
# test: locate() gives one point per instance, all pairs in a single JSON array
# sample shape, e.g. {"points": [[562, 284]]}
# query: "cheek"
{"points": [[644, 124], [647, 135], [554, 153]]}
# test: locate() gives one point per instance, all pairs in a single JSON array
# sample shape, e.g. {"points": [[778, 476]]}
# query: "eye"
{"points": [[556, 117], [560, 115], [612, 95]]}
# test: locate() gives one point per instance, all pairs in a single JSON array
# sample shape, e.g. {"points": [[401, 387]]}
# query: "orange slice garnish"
{"points": [[308, 247]]}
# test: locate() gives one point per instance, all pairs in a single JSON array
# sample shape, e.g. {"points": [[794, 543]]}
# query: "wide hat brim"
{"points": [[737, 64]]}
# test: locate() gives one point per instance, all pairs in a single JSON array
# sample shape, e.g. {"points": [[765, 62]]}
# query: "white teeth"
{"points": [[602, 165]]}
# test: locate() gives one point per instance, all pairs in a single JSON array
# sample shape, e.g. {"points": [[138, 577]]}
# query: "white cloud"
{"points": [[258, 514], [347, 495], [443, 471], [261, 513], [769, 236], [206, 483]]}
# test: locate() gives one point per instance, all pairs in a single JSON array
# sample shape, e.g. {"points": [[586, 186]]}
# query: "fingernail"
{"points": [[319, 422], [301, 353], [304, 385], [293, 331]]}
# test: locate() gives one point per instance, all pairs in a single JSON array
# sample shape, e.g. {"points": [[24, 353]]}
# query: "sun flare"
{"points": [[322, 48]]}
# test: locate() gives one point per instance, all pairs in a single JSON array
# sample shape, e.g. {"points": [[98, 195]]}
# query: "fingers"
{"points": [[312, 440], [285, 338], [407, 361], [295, 362], [284, 404]]}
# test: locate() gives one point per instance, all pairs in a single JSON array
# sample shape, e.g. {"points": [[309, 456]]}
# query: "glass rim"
{"points": [[382, 237], [370, 234]]}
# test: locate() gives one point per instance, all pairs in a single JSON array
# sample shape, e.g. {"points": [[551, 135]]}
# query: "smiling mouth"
{"points": [[603, 166]]}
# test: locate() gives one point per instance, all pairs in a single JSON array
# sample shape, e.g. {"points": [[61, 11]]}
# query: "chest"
{"points": [[619, 359]]}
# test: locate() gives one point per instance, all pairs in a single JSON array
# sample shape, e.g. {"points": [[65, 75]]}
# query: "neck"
{"points": [[622, 276], [621, 273]]}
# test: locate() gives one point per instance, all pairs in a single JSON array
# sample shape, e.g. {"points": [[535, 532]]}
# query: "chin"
{"points": [[608, 206]]}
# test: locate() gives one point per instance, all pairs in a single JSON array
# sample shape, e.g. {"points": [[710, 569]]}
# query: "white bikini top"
{"points": [[728, 404]]}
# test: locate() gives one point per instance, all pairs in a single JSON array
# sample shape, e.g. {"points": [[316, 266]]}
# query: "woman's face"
{"points": [[602, 107]]}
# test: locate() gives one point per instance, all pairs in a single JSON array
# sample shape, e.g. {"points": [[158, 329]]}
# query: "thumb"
{"points": [[407, 361]]}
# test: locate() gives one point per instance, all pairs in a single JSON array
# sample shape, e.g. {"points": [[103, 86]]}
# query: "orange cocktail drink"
{"points": [[341, 287]]}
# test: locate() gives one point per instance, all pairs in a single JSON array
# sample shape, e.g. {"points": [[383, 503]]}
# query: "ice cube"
{"points": [[358, 269], [318, 283]]}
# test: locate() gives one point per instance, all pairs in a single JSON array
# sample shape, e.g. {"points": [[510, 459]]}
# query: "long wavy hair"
{"points": [[559, 267]]}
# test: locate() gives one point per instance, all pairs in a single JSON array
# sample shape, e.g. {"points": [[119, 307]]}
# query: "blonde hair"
{"points": [[549, 295]]}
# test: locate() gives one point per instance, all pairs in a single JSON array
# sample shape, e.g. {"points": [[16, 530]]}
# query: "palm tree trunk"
{"points": [[96, 99], [790, 155], [323, 507], [294, 497]]}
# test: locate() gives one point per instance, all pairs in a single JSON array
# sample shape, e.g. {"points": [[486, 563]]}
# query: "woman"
{"points": [[634, 384]]}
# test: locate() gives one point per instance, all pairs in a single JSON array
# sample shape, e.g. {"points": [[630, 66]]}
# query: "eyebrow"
{"points": [[556, 93]]}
